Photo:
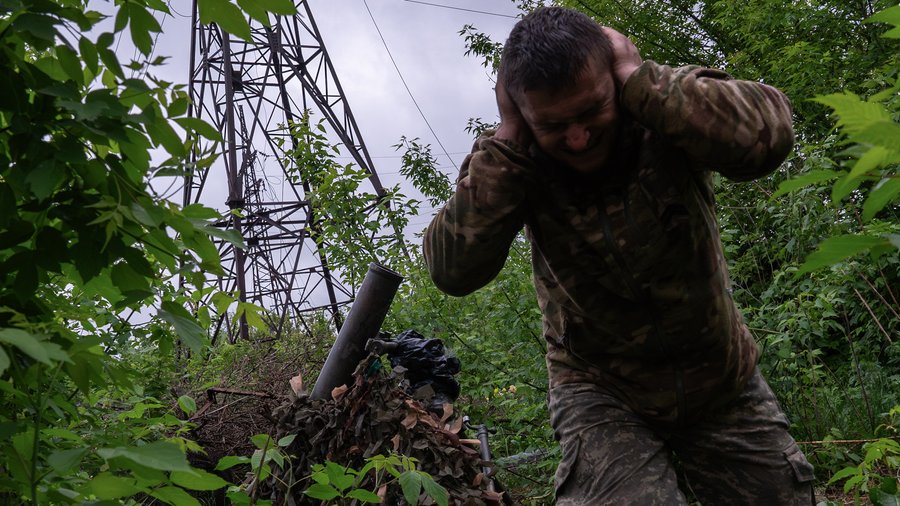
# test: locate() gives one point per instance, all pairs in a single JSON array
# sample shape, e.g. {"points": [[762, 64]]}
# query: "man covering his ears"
{"points": [[606, 160]]}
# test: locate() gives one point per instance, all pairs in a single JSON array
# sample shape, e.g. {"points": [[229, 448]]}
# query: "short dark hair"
{"points": [[550, 48]]}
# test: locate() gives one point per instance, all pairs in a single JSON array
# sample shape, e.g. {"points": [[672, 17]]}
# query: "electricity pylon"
{"points": [[251, 92]]}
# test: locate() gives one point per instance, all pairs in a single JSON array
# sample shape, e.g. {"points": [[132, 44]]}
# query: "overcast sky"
{"points": [[448, 86]]}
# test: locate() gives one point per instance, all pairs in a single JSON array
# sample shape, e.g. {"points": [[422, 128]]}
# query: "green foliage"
{"points": [[353, 227], [333, 482], [882, 456], [85, 243]]}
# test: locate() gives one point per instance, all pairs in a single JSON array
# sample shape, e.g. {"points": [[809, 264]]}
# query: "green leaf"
{"points": [[435, 491], [231, 236], [129, 282], [37, 25], [4, 361], [187, 404], [873, 159], [811, 177], [111, 61], [197, 479], [282, 7], [882, 498], [843, 187], [411, 484], [843, 473], [240, 498], [200, 212], [853, 113], [163, 134], [88, 54], [27, 343], [63, 461], [364, 496], [221, 301], [884, 133], [226, 15], [286, 440], [883, 194], [106, 486], [262, 441], [185, 325], [322, 492], [175, 496], [142, 23], [835, 249], [159, 455], [200, 127], [230, 461], [337, 475], [853, 482], [251, 312], [891, 16], [255, 10], [70, 63]]}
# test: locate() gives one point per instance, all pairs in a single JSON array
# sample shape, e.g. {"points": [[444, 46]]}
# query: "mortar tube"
{"points": [[363, 323]]}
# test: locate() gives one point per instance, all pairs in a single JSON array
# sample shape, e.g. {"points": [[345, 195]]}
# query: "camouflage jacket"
{"points": [[628, 263]]}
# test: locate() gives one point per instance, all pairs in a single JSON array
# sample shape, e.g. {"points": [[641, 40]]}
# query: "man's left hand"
{"points": [[625, 56]]}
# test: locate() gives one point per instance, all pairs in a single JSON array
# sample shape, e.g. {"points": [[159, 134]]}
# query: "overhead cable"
{"points": [[462, 9], [391, 56]]}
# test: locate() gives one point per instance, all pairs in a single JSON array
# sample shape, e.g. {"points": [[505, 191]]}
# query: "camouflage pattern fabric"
{"points": [[628, 264], [742, 455]]}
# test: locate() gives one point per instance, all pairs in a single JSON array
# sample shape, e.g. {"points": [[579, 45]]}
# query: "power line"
{"points": [[386, 48], [162, 24], [401, 156], [461, 9]]}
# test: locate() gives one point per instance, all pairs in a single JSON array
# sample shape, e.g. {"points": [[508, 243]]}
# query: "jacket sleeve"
{"points": [[739, 128], [467, 242]]}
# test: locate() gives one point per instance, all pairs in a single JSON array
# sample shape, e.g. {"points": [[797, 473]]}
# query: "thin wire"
{"points": [[461, 9], [406, 86], [175, 11], [401, 156], [162, 25]]}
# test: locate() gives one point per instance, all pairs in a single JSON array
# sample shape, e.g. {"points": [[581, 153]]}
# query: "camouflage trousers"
{"points": [[741, 455]]}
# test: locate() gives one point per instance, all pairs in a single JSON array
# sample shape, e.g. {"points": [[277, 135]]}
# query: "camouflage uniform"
{"points": [[629, 270]]}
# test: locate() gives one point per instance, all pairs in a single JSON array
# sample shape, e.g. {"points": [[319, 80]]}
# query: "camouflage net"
{"points": [[375, 416]]}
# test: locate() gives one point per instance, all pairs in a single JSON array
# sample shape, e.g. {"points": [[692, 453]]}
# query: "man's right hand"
{"points": [[512, 124]]}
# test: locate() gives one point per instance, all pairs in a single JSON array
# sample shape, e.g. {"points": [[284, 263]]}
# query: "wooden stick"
{"points": [[845, 441], [210, 392]]}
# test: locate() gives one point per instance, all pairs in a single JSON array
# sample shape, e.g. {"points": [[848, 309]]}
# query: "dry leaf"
{"points": [[448, 412], [338, 392], [492, 497], [396, 442], [456, 426], [410, 421], [297, 385], [428, 419]]}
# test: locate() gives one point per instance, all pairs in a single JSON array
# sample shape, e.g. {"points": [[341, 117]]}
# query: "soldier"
{"points": [[606, 161]]}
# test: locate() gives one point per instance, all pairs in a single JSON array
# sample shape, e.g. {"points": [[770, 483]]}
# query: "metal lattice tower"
{"points": [[250, 92]]}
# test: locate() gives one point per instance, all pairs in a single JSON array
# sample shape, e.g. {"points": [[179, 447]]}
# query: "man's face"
{"points": [[577, 125]]}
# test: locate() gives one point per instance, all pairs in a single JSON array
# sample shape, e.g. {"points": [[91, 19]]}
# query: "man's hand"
{"points": [[512, 124], [625, 56]]}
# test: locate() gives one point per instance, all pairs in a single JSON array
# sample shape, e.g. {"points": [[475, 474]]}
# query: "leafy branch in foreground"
{"points": [[87, 242], [871, 132], [333, 482]]}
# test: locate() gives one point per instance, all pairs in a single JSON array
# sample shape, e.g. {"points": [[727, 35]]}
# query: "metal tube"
{"points": [[363, 323]]}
